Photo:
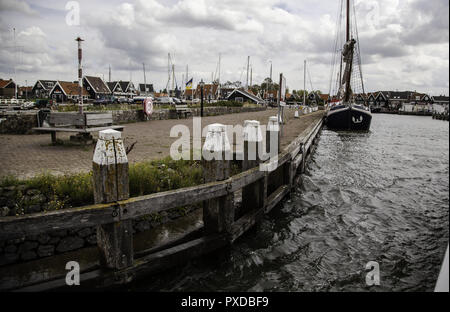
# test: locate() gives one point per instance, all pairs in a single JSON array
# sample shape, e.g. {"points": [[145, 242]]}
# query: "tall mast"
{"points": [[173, 78], [218, 87], [348, 20], [187, 77], [145, 80], [15, 64], [270, 71], [304, 84], [109, 73], [248, 67]]}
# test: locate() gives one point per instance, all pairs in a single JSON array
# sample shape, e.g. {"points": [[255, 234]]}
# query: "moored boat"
{"points": [[344, 113]]}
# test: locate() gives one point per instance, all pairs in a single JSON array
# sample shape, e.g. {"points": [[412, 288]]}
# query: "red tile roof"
{"points": [[4, 83]]}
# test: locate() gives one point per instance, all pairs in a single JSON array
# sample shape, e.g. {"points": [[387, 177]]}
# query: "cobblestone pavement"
{"points": [[29, 155]]}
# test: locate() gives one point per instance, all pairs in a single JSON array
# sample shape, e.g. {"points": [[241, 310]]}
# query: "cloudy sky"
{"points": [[404, 43]]}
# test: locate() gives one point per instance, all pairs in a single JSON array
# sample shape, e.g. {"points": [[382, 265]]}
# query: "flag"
{"points": [[189, 84]]}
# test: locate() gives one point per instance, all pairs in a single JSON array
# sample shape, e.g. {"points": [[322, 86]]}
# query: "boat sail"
{"points": [[343, 113]]}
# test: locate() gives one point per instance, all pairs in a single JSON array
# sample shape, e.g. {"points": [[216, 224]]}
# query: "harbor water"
{"points": [[381, 196]]}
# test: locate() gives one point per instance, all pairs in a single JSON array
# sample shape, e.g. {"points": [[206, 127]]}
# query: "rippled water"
{"points": [[380, 196]]}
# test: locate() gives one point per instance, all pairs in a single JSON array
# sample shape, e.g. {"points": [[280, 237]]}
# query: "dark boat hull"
{"points": [[349, 118]]}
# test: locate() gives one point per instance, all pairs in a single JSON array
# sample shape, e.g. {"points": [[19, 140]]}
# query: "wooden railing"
{"points": [[114, 211]]}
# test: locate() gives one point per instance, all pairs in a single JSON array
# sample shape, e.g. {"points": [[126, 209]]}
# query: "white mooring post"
{"points": [[110, 175], [218, 213], [253, 194], [273, 137]]}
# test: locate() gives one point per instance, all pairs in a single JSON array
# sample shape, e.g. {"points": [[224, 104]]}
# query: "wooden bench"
{"points": [[82, 124], [182, 109]]}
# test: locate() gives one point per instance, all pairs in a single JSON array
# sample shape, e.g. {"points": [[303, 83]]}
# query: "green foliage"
{"points": [[163, 175], [73, 190]]}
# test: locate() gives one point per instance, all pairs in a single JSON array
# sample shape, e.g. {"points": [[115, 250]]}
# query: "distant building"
{"points": [[7, 88], [122, 89], [146, 89], [96, 87], [189, 94], [42, 88], [325, 98], [210, 92], [242, 96], [440, 104], [64, 91], [25, 92]]}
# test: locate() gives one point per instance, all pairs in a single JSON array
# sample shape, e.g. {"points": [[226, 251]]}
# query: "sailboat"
{"points": [[343, 113]]}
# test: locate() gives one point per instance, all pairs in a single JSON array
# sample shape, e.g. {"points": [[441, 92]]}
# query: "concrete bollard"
{"points": [[218, 213], [273, 137], [253, 194], [110, 177], [252, 144]]}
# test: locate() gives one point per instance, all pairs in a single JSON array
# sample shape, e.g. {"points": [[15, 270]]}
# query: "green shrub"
{"points": [[73, 190]]}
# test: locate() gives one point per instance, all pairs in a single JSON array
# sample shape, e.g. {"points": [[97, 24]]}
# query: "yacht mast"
{"points": [[304, 84], [348, 21]]}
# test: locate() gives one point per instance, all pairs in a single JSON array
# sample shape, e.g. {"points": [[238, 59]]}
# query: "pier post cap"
{"points": [[109, 134], [109, 149], [216, 139], [217, 127], [273, 124], [252, 131]]}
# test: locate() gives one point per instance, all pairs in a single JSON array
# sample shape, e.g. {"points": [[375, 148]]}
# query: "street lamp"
{"points": [[202, 84]]}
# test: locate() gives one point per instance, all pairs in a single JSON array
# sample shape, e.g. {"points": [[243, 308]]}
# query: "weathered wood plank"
{"points": [[20, 226], [72, 119], [96, 116], [110, 183], [144, 205], [245, 223], [248, 177], [276, 197], [84, 130], [96, 122], [218, 213]]}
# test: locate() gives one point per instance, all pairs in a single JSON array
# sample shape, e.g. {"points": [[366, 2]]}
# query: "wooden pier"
{"points": [[114, 210]]}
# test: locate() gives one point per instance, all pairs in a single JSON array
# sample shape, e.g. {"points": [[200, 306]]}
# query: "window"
{"points": [[239, 99]]}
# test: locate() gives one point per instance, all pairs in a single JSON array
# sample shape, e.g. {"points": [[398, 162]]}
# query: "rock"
{"points": [[46, 250], [92, 240], [142, 226], [22, 188], [16, 241], [54, 240], [8, 258], [38, 199], [4, 211], [43, 238], [33, 192], [34, 208], [10, 249], [28, 255], [70, 243], [27, 246], [11, 188], [85, 232], [60, 233]]}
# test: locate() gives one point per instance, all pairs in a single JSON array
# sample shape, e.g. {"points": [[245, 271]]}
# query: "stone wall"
{"points": [[17, 200], [23, 122], [17, 123]]}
